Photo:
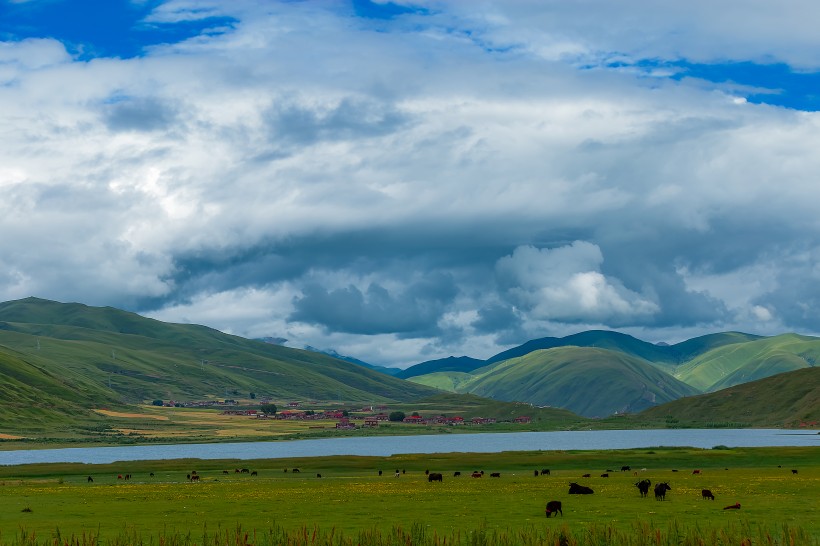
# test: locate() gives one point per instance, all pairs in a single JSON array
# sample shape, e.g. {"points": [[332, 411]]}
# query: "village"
{"points": [[345, 419]]}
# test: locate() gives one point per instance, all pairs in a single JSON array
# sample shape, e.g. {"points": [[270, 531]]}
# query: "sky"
{"points": [[406, 181]]}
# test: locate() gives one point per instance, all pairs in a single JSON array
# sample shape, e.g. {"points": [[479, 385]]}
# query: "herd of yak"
{"points": [[553, 506]]}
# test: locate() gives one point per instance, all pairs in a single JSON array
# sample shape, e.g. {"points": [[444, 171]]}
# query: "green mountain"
{"points": [[666, 357], [591, 382], [729, 365], [785, 399], [449, 364], [71, 357]]}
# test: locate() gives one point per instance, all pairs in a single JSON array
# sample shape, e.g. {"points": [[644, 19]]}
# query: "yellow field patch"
{"points": [[110, 413], [9, 437]]}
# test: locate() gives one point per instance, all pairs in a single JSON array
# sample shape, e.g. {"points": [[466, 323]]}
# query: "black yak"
{"points": [[706, 494], [435, 477], [643, 487], [660, 491], [575, 489], [554, 507]]}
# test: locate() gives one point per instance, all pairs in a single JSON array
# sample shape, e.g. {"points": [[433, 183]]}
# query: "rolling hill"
{"points": [[730, 365], [588, 381], [789, 398]]}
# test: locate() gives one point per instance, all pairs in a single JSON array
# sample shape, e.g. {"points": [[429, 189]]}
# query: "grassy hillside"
{"points": [[68, 358], [784, 399], [730, 365], [589, 382]]}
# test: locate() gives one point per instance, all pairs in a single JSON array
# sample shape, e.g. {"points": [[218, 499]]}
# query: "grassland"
{"points": [[351, 497]]}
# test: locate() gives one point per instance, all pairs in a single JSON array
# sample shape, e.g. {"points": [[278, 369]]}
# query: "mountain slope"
{"points": [[730, 365], [783, 399], [120, 357], [587, 381]]}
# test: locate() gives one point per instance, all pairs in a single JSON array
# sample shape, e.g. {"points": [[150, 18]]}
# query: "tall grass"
{"points": [[417, 534]]}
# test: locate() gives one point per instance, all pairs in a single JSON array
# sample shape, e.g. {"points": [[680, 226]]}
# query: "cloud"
{"points": [[413, 310], [448, 180], [565, 284]]}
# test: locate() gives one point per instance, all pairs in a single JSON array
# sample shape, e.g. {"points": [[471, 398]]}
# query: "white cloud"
{"points": [[565, 284], [302, 147]]}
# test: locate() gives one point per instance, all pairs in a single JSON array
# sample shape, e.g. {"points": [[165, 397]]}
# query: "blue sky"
{"points": [[412, 180]]}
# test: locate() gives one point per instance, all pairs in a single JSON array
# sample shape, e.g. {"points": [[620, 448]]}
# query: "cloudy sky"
{"points": [[411, 180]]}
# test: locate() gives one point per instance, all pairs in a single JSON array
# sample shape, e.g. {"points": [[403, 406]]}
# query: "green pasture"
{"points": [[50, 500]]}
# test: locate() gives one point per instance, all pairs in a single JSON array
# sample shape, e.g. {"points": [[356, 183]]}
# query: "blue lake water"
{"points": [[440, 443]]}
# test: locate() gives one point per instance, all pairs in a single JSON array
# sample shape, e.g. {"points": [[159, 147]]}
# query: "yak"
{"points": [[554, 507], [660, 491], [643, 487], [706, 494], [575, 489], [435, 477]]}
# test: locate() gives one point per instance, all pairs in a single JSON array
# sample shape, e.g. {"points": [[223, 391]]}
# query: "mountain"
{"points": [[591, 382], [77, 357], [334, 354], [664, 355], [788, 398], [728, 365], [449, 364]]}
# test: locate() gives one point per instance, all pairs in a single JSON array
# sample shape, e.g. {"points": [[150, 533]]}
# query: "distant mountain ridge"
{"points": [[599, 372]]}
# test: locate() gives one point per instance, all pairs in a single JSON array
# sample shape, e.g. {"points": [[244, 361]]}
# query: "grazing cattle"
{"points": [[586, 475], [119, 476], [660, 491], [696, 472], [609, 470], [295, 470], [398, 473], [254, 473], [554, 507], [237, 471], [435, 477], [194, 477], [495, 475], [643, 487], [90, 479], [244, 471], [456, 474], [151, 474], [604, 475], [188, 477], [735, 506], [286, 470], [706, 494], [535, 473], [427, 472], [476, 475], [318, 475], [794, 471], [545, 471], [380, 472], [626, 468], [575, 489], [674, 470], [403, 471], [225, 472]]}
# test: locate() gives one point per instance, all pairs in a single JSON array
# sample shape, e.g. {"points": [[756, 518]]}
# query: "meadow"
{"points": [[56, 504]]}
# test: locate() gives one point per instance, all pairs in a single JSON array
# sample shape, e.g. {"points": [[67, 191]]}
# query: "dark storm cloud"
{"points": [[415, 309]]}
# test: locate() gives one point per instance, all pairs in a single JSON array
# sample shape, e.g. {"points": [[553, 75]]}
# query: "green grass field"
{"points": [[49, 501]]}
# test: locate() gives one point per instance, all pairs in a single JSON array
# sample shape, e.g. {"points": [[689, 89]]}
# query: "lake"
{"points": [[438, 443]]}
